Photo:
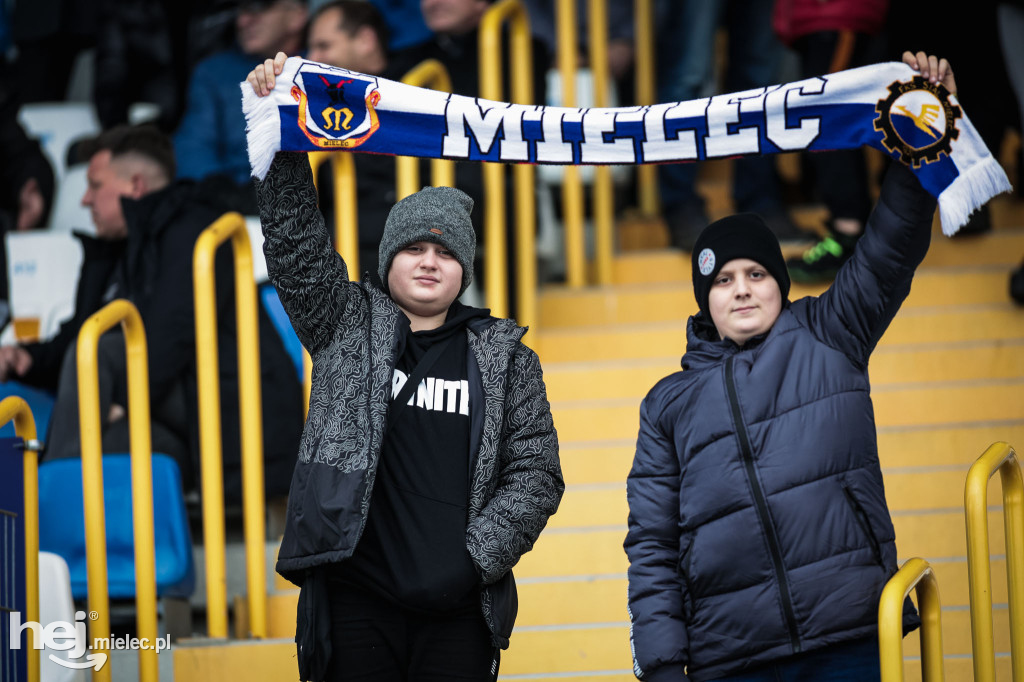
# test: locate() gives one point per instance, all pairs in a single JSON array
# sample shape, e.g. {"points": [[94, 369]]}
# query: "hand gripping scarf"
{"points": [[315, 107]]}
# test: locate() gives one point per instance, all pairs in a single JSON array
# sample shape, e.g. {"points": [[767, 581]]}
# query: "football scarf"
{"points": [[315, 107]]}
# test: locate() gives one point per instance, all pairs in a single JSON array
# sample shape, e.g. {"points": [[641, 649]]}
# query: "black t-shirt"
{"points": [[413, 550]]}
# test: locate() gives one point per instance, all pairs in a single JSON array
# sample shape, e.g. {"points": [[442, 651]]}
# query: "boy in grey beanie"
{"points": [[434, 214], [429, 461]]}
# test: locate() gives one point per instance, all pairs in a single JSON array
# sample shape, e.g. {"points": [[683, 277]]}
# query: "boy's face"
{"points": [[744, 300], [424, 278]]}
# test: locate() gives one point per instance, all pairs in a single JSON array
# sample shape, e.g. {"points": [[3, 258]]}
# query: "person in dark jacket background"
{"points": [[759, 538], [429, 461], [146, 229]]}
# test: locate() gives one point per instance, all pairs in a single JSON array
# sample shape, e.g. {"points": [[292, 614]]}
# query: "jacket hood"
{"points": [[704, 347]]}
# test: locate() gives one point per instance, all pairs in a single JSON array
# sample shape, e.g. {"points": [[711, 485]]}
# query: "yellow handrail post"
{"points": [[603, 197], [491, 53], [572, 185], [914, 573], [124, 313], [999, 457], [432, 74], [232, 226], [346, 211], [643, 48], [17, 409]]}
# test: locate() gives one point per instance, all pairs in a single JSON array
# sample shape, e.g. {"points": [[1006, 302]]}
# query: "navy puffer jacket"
{"points": [[758, 526]]}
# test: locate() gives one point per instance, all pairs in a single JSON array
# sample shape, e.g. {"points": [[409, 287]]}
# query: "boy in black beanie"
{"points": [[429, 461], [759, 537]]}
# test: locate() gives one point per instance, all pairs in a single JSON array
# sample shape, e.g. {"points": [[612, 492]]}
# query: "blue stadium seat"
{"points": [[62, 524], [39, 401], [272, 304]]}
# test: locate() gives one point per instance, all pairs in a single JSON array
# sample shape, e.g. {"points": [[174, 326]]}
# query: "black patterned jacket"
{"points": [[350, 330]]}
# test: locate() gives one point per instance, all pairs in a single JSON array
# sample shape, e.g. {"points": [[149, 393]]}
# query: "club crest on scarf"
{"points": [[917, 120], [336, 106]]}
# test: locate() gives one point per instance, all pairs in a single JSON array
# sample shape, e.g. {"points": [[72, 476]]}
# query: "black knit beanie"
{"points": [[434, 214], [744, 235]]}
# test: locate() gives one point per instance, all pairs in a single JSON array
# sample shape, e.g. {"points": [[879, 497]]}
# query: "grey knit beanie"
{"points": [[434, 214]]}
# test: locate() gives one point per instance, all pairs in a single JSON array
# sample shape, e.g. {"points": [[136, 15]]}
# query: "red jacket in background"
{"points": [[793, 19]]}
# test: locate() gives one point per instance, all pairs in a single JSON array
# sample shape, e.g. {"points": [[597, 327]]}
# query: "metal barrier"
{"points": [[346, 205], [572, 184], [230, 226], [1002, 458], [124, 313], [914, 573], [17, 409], [514, 13], [603, 196], [643, 49], [427, 74]]}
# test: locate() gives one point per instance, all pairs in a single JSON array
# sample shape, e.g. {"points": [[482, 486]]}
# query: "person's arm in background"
{"points": [[196, 142]]}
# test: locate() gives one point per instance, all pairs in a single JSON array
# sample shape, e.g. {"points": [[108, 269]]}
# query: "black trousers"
{"points": [[373, 639]]}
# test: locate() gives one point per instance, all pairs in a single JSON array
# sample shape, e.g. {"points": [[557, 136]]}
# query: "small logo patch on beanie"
{"points": [[706, 262], [435, 230]]}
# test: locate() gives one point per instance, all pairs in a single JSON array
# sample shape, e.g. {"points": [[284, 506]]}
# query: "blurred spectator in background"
{"points": [[544, 26], [26, 180], [146, 229], [211, 137], [455, 44], [136, 61], [352, 34], [1011, 28], [980, 67], [830, 37], [49, 35], [406, 27], [687, 33]]}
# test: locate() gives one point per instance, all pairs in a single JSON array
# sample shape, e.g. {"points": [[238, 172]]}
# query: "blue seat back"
{"points": [[62, 524], [272, 304], [39, 401]]}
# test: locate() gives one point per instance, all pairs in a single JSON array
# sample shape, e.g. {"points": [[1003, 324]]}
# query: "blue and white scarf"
{"points": [[314, 107]]}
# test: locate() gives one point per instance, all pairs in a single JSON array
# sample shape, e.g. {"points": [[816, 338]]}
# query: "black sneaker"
{"points": [[785, 230], [821, 262]]}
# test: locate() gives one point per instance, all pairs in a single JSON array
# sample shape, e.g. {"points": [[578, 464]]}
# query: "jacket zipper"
{"points": [[761, 504]]}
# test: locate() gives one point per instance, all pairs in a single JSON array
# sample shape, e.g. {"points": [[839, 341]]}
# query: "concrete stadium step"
{"points": [[1000, 248], [596, 550], [605, 647], [941, 405], [602, 599], [898, 448], [659, 302], [928, 363], [660, 340]]}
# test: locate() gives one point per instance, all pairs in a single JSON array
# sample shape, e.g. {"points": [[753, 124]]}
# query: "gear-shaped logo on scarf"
{"points": [[917, 120]]}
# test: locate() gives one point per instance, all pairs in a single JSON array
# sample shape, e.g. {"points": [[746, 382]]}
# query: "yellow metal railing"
{"points": [[514, 13], [124, 313], [643, 50], [916, 573], [230, 226], [17, 409], [346, 206], [1002, 458], [427, 74], [572, 183], [603, 198]]}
